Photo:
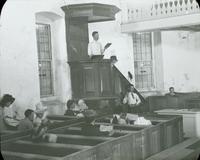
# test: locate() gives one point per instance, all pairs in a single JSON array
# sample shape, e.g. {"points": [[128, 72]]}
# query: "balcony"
{"points": [[162, 15]]}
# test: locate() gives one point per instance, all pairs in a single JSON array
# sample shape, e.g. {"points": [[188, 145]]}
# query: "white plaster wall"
{"points": [[181, 55], [18, 60], [18, 51], [62, 70]]}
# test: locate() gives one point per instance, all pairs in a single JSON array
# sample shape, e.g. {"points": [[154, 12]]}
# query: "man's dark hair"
{"points": [[171, 88], [5, 99], [69, 103], [129, 86], [28, 112], [93, 33]]}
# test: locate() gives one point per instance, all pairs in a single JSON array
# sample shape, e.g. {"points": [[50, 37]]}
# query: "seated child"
{"points": [[41, 113], [70, 107], [82, 106], [27, 122], [40, 133]]}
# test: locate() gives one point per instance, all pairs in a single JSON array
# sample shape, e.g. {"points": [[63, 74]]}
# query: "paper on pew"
{"points": [[142, 121], [131, 117], [105, 128]]}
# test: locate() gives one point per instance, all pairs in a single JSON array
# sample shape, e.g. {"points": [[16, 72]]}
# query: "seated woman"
{"points": [[70, 107], [5, 120]]}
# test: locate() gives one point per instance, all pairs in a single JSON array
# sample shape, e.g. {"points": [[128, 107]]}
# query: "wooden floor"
{"points": [[187, 150]]}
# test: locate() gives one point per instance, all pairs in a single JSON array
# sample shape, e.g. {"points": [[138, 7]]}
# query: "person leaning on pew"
{"points": [[5, 121], [131, 100]]}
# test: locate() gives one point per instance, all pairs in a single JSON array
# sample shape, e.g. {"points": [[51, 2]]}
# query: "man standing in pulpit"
{"points": [[95, 49]]}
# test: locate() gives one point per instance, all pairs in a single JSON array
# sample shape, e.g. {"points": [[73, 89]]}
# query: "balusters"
{"points": [[163, 8], [129, 14], [154, 10], [190, 6], [166, 4], [196, 6], [175, 6], [184, 6], [149, 12]]}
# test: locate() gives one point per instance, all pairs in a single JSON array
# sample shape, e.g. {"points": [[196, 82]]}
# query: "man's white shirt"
{"points": [[95, 48], [131, 99]]}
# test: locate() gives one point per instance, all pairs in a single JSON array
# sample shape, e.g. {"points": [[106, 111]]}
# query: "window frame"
{"points": [[153, 87], [47, 60]]}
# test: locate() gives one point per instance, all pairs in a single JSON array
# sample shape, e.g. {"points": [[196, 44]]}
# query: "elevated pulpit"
{"points": [[89, 78]]}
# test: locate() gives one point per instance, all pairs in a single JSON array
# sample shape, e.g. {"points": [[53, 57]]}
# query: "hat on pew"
{"points": [[90, 113]]}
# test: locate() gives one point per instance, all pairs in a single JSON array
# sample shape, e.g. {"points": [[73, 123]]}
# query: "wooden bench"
{"points": [[180, 151]]}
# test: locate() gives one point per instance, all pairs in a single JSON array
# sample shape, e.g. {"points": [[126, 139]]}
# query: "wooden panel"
{"points": [[91, 80], [104, 152], [124, 146], [105, 78], [139, 143], [77, 40], [35, 148], [155, 142], [83, 155], [91, 12], [169, 134], [76, 81], [116, 149]]}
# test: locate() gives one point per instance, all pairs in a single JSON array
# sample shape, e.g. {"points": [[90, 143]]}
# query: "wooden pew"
{"points": [[26, 156], [137, 142], [54, 145], [179, 151]]}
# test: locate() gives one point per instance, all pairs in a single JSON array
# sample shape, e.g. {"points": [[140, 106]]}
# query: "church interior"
{"points": [[100, 80]]}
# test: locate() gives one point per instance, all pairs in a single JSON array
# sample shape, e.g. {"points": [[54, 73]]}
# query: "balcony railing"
{"points": [[162, 9]]}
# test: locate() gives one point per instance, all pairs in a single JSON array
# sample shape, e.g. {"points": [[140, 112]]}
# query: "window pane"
{"points": [[143, 60], [43, 41], [44, 59]]}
